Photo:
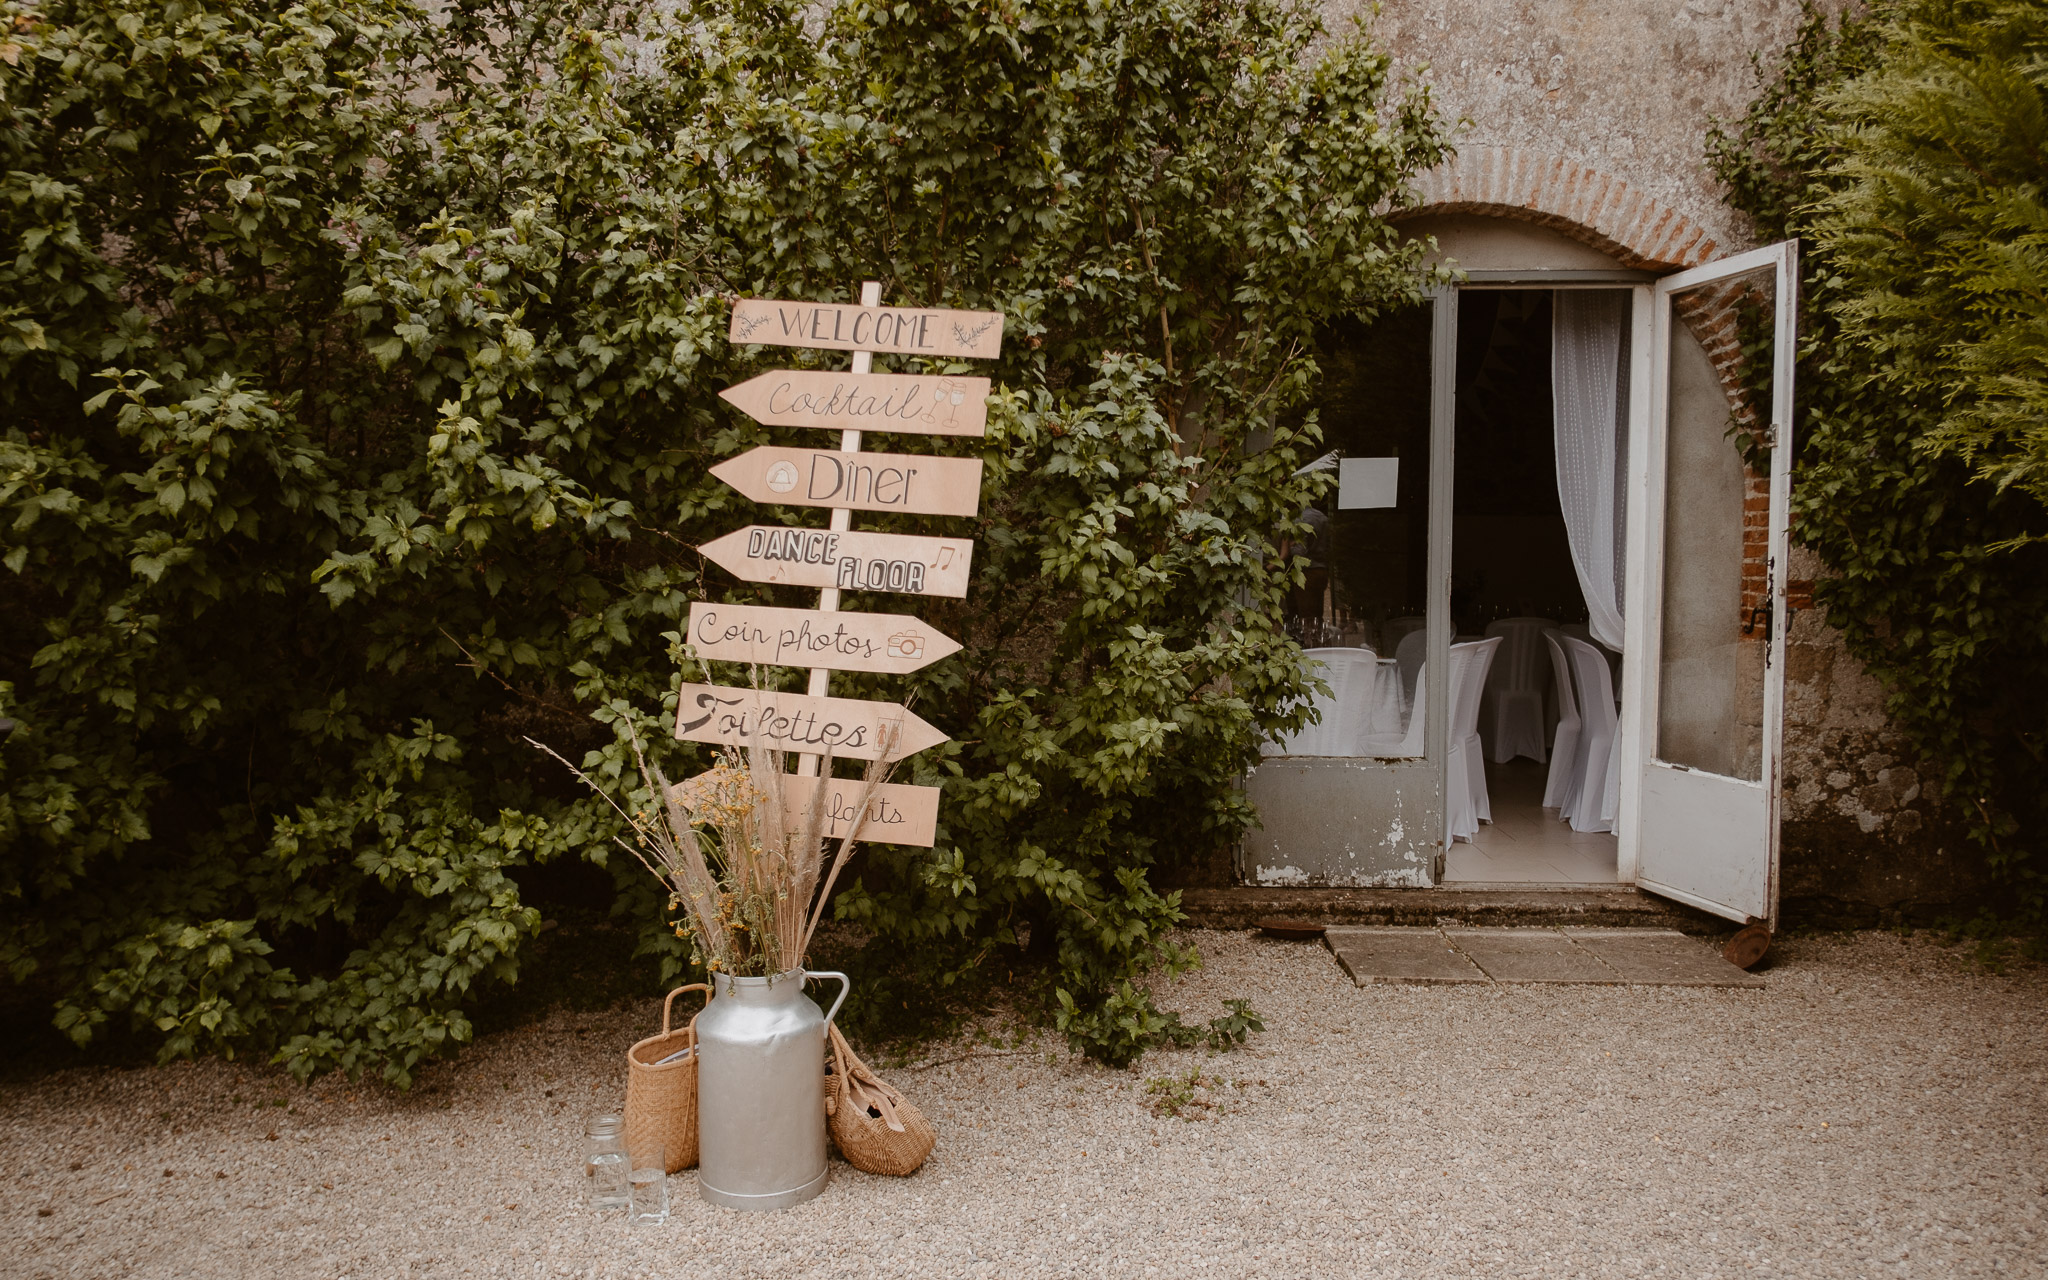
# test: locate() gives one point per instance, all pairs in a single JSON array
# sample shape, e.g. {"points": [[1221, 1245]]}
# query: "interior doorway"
{"points": [[1543, 819]]}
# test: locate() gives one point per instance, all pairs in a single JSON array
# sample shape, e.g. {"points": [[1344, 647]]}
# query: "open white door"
{"points": [[1704, 680]]}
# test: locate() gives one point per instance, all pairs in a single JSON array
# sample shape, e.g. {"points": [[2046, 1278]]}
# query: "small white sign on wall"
{"points": [[1367, 482]]}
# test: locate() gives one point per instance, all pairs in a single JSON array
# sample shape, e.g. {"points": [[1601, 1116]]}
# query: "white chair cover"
{"points": [[1408, 742], [1408, 660], [1594, 760], [1512, 713], [1557, 790], [1345, 710], [1466, 802]]}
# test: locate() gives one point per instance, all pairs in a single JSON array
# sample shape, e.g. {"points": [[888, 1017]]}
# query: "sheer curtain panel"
{"points": [[1589, 393]]}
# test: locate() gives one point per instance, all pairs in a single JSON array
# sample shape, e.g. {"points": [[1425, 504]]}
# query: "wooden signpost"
{"points": [[851, 728], [923, 485], [837, 558], [850, 560], [913, 403], [892, 643]]}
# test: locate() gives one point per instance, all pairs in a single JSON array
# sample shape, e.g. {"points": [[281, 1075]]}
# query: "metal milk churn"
{"points": [[761, 1091]]}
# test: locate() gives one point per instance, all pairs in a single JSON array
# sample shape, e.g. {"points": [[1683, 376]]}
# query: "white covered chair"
{"points": [[1408, 661], [1594, 765], [1350, 673], [1466, 803], [1408, 742], [1557, 789], [1512, 712]]}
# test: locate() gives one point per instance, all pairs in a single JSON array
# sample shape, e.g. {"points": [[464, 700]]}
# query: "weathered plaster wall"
{"points": [[1623, 86]]}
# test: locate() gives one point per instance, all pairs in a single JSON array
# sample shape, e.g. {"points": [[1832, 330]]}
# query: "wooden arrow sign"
{"points": [[851, 728], [897, 813], [908, 331], [850, 560], [890, 643], [863, 481], [864, 401]]}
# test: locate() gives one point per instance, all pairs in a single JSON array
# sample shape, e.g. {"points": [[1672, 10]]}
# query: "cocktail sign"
{"points": [[903, 402], [891, 643], [897, 813], [909, 564], [907, 331], [849, 728], [921, 484]]}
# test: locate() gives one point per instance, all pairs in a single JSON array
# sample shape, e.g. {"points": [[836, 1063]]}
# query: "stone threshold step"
{"points": [[1563, 957], [1243, 906]]}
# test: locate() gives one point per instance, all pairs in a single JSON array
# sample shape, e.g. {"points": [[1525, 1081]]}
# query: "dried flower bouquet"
{"points": [[743, 848]]}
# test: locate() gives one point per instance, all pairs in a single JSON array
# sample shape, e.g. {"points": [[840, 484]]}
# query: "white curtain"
{"points": [[1589, 394]]}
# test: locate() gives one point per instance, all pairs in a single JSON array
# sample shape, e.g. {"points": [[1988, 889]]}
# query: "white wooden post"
{"points": [[842, 520]]}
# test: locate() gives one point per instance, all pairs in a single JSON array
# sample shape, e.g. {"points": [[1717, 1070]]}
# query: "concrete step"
{"points": [[1611, 907]]}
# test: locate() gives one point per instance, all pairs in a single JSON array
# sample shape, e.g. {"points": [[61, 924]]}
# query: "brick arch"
{"points": [[1602, 211], [1596, 209]]}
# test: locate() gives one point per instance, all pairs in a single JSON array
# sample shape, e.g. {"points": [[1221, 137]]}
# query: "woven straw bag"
{"points": [[661, 1097], [876, 1129]]}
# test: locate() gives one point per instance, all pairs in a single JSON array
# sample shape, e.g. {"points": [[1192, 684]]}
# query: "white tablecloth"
{"points": [[1349, 715]]}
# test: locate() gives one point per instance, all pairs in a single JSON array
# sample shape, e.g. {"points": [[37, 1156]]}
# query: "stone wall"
{"points": [[1626, 87], [1865, 839]]}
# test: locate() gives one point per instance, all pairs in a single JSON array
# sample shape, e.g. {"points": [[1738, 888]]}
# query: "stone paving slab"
{"points": [[1661, 957], [1568, 956], [1530, 955], [1399, 955]]}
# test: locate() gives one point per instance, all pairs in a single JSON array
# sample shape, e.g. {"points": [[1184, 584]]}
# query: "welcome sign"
{"points": [[907, 331]]}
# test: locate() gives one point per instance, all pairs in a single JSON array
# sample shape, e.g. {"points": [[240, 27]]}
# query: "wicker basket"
{"points": [[875, 1128], [661, 1096]]}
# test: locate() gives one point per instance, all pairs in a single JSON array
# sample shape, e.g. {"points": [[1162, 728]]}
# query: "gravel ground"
{"points": [[1877, 1110]]}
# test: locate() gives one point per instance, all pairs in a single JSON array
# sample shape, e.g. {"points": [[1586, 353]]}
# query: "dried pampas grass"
{"points": [[743, 848]]}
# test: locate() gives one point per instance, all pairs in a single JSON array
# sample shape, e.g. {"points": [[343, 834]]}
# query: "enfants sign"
{"points": [[896, 814], [837, 559]]}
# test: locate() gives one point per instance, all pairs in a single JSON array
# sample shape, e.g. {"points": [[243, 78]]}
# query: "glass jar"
{"points": [[604, 1162]]}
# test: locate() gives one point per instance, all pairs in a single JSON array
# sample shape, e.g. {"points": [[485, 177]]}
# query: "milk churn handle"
{"points": [[669, 1003], [845, 985]]}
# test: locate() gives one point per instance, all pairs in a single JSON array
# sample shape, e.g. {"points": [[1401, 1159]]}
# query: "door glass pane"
{"points": [[1710, 677], [1362, 609]]}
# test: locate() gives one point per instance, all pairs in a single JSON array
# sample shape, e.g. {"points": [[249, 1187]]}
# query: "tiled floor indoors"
{"points": [[1526, 843]]}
